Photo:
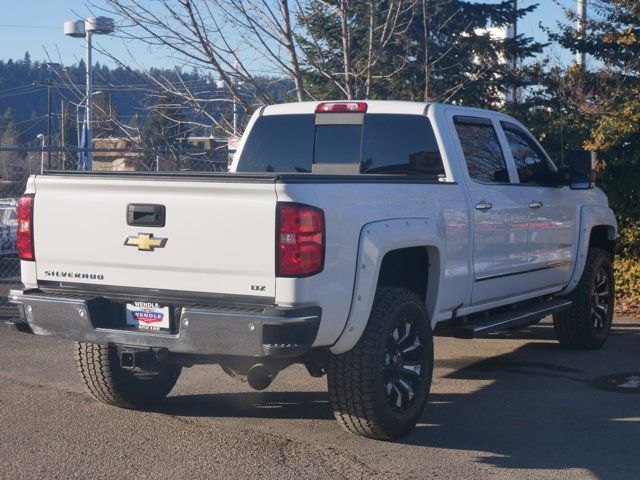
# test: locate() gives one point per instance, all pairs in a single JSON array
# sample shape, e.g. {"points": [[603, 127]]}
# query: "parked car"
{"points": [[8, 226], [344, 234]]}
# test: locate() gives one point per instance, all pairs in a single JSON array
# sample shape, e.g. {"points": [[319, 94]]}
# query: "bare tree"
{"points": [[224, 37], [386, 25], [345, 35], [268, 24], [396, 18], [371, 42]]}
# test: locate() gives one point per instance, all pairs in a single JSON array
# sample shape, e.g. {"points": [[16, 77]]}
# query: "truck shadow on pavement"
{"points": [[534, 408], [285, 405], [530, 408]]}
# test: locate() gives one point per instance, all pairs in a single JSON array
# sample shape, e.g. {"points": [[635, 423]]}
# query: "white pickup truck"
{"points": [[343, 234]]}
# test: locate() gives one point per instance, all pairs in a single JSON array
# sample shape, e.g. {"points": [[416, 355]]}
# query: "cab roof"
{"points": [[373, 106]]}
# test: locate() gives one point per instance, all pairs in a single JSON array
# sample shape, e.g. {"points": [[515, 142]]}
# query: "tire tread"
{"points": [[351, 375], [572, 327], [108, 383]]}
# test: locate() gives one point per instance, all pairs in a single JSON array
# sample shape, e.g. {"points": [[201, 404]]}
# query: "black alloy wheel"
{"points": [[586, 324], [404, 362], [601, 298]]}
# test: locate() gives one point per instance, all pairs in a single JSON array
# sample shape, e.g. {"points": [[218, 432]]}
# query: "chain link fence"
{"points": [[18, 163]]}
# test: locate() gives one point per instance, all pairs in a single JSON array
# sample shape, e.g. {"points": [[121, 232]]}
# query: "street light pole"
{"points": [[86, 29]]}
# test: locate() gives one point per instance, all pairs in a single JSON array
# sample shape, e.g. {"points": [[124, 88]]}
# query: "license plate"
{"points": [[148, 316]]}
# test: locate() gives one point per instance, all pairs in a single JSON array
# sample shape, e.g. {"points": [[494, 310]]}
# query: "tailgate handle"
{"points": [[145, 215]]}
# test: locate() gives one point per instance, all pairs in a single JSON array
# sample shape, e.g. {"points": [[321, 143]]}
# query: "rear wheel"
{"points": [[586, 325], [108, 382], [380, 387]]}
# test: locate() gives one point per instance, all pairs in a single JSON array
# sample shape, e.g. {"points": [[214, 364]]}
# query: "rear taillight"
{"points": [[341, 107], [300, 240], [24, 241]]}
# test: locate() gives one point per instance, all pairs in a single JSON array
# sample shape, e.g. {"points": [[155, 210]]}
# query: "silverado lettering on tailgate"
{"points": [[63, 274]]}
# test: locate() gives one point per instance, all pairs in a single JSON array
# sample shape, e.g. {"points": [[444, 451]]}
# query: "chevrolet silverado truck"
{"points": [[342, 235]]}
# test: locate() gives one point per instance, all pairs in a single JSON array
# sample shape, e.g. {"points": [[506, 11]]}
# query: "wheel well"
{"points": [[406, 268], [602, 237]]}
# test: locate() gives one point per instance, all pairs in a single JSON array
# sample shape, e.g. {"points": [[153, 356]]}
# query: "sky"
{"points": [[36, 26]]}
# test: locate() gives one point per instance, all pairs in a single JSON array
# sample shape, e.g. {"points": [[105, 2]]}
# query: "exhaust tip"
{"points": [[259, 377]]}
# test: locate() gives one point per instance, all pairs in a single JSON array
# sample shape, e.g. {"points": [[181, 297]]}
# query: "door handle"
{"points": [[482, 205], [535, 204]]}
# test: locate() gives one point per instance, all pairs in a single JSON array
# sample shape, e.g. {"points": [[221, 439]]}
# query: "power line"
{"points": [[34, 90], [19, 87], [7, 25]]}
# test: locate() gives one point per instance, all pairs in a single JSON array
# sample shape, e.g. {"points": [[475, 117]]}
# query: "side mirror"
{"points": [[582, 169]]}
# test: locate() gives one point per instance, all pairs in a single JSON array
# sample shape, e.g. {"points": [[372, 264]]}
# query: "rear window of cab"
{"points": [[382, 144]]}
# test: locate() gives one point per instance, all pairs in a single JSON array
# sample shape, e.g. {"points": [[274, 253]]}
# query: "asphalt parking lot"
{"points": [[512, 406]]}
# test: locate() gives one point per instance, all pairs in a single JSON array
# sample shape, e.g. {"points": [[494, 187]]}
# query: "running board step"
{"points": [[507, 320]]}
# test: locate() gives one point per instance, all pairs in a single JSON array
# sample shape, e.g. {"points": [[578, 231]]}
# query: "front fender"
{"points": [[590, 216], [376, 240]]}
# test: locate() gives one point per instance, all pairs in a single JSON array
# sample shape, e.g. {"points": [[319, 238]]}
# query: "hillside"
{"points": [[124, 92]]}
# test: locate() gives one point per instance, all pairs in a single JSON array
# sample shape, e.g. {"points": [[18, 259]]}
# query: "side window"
{"points": [[403, 144], [482, 152], [279, 143], [531, 164]]}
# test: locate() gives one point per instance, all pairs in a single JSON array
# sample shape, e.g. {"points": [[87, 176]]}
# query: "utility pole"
{"points": [[63, 143], [49, 124], [89, 112], [425, 35], [581, 28], [513, 35]]}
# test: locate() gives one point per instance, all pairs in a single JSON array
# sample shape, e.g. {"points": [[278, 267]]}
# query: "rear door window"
{"points": [[482, 152], [383, 144]]}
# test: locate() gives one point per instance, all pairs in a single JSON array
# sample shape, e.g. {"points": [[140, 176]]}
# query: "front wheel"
{"points": [[586, 324], [108, 382], [379, 388]]}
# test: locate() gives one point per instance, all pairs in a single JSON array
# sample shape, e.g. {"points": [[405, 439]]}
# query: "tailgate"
{"points": [[218, 237]]}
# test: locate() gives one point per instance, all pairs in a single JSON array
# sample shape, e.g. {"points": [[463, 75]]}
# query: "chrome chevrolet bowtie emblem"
{"points": [[145, 242]]}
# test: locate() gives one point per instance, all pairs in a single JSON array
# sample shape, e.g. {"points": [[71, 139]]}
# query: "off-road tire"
{"points": [[575, 328], [356, 379], [109, 383]]}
